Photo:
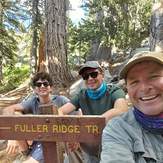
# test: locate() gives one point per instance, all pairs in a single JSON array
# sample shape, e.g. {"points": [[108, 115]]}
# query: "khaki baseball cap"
{"points": [[89, 64], [139, 57]]}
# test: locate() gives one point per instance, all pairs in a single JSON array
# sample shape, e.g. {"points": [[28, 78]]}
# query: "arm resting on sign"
{"points": [[12, 109], [14, 146], [120, 106], [66, 109]]}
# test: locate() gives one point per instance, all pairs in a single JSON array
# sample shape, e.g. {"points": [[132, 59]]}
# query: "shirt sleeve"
{"points": [[64, 100], [60, 100], [116, 144], [28, 104], [75, 101]]}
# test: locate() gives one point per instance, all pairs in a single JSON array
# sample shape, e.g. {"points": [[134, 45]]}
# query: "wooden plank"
{"points": [[52, 128]]}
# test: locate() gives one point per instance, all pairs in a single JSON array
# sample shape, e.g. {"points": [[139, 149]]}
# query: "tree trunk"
{"points": [[55, 42], [34, 36], [99, 51], [1, 30], [95, 43], [42, 64], [156, 28]]}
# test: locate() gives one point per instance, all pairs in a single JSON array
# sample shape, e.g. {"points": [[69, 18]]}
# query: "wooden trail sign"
{"points": [[51, 129]]}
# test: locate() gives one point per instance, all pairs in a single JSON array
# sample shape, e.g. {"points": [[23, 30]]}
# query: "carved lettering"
{"points": [[92, 129], [66, 129], [30, 128], [57, 128]]}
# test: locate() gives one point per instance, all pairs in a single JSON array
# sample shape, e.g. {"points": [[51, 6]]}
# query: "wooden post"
{"points": [[49, 148], [50, 152]]}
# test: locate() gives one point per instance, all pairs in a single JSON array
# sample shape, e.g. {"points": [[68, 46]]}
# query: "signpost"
{"points": [[51, 129]]}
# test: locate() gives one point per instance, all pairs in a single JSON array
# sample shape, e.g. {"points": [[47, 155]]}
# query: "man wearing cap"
{"points": [[137, 136], [97, 99]]}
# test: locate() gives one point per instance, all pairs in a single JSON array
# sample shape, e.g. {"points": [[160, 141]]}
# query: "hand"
{"points": [[73, 146], [29, 142], [8, 112], [55, 110], [12, 147]]}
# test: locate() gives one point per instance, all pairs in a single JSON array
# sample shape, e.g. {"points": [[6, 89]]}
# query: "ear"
{"points": [[51, 89], [102, 73], [34, 90]]}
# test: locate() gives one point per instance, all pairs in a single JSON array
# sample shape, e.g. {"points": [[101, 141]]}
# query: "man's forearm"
{"points": [[12, 109]]}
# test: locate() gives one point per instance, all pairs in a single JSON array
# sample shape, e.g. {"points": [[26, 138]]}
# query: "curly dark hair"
{"points": [[42, 76]]}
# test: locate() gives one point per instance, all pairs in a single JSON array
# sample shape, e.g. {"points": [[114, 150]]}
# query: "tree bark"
{"points": [[156, 28], [55, 42], [1, 30], [33, 63]]}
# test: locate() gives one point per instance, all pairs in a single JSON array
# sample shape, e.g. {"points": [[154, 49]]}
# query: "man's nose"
{"points": [[42, 85], [144, 86], [89, 77]]}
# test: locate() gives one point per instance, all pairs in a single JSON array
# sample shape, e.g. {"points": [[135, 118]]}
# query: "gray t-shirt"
{"points": [[31, 105]]}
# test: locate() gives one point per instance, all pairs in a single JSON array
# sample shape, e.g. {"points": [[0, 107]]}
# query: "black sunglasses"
{"points": [[85, 76], [39, 84]]}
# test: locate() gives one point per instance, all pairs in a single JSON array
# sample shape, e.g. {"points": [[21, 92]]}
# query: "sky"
{"points": [[76, 13]]}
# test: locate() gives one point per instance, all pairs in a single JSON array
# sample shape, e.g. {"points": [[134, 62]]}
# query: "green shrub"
{"points": [[13, 77]]}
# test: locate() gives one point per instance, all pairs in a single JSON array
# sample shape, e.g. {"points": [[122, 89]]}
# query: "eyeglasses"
{"points": [[85, 76], [39, 84]]}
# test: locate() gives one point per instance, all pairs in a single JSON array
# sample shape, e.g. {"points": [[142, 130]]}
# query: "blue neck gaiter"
{"points": [[153, 124], [98, 93]]}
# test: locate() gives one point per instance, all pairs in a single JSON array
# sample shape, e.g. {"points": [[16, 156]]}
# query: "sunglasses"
{"points": [[85, 76], [39, 84]]}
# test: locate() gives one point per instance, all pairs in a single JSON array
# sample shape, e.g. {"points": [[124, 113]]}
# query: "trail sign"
{"points": [[51, 129]]}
